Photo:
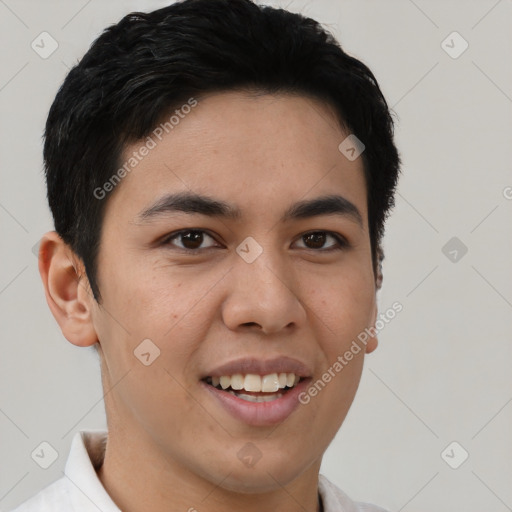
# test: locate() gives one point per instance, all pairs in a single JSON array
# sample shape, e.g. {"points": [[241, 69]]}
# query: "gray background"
{"points": [[442, 370]]}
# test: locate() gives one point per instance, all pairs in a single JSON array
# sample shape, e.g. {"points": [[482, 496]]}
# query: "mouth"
{"points": [[257, 392], [255, 388]]}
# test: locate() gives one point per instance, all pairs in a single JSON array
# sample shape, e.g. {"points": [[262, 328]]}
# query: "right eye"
{"points": [[190, 239]]}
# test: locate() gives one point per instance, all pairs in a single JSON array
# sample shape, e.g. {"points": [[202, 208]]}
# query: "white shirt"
{"points": [[80, 489]]}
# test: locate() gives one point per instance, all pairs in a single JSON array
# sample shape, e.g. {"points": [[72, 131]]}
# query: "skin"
{"points": [[171, 446]]}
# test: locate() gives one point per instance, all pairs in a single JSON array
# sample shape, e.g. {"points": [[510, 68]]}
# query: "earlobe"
{"points": [[372, 344], [68, 297]]}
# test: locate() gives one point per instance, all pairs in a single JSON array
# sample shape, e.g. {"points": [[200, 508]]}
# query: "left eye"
{"points": [[317, 240], [191, 239]]}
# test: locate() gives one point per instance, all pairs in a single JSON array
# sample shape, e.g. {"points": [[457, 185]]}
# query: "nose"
{"points": [[263, 296]]}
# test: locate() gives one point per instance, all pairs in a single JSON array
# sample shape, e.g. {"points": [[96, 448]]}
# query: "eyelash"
{"points": [[341, 241]]}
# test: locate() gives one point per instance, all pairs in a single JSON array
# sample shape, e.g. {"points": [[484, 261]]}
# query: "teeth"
{"points": [[237, 381], [225, 382], [270, 383], [251, 382], [252, 398]]}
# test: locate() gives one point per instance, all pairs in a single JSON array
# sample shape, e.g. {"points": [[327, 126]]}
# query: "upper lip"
{"points": [[256, 366]]}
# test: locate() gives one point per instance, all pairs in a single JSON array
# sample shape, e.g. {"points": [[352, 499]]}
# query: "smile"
{"points": [[255, 388]]}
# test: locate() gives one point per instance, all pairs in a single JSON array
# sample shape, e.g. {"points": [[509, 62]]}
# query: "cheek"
{"points": [[175, 312], [156, 299], [344, 303]]}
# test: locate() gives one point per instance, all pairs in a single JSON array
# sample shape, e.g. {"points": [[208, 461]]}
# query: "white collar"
{"points": [[87, 493], [84, 487]]}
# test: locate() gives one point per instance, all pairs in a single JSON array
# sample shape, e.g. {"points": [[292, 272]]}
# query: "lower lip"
{"points": [[260, 413]]}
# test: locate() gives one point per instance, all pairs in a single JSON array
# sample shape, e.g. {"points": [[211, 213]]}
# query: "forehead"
{"points": [[260, 152]]}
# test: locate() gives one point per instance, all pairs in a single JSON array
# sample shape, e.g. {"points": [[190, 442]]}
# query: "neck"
{"points": [[153, 482]]}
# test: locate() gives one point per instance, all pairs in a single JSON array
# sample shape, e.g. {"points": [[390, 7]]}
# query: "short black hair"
{"points": [[140, 69]]}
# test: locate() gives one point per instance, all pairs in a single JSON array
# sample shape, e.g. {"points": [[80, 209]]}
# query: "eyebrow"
{"points": [[192, 203]]}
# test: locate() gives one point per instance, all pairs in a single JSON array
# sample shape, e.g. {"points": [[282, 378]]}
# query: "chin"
{"points": [[262, 477]]}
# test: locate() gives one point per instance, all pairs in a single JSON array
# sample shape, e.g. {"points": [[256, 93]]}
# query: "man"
{"points": [[219, 175]]}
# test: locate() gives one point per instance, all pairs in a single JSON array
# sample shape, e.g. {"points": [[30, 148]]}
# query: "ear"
{"points": [[378, 268], [373, 341], [67, 290]]}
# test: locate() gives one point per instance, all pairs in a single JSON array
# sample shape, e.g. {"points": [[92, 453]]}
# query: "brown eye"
{"points": [[316, 240], [190, 239]]}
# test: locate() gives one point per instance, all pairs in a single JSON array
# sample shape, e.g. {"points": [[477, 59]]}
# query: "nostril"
{"points": [[251, 324]]}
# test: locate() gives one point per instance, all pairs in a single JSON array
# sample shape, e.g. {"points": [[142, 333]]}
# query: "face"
{"points": [[235, 288]]}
